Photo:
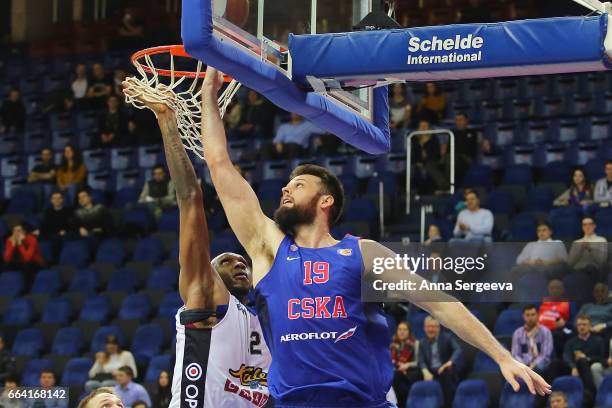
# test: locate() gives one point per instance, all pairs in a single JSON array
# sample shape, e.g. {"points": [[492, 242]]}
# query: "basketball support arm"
{"points": [[596, 5]]}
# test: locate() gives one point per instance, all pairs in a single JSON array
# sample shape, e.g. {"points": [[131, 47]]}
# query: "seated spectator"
{"points": [[590, 253], [107, 362], [545, 256], [600, 370], [558, 399], [429, 176], [532, 344], [599, 311], [91, 220], [581, 352], [21, 252], [400, 107], [71, 172], [103, 397], [163, 396], [257, 117], [56, 219], [128, 390], [112, 124], [158, 193], [12, 112], [7, 363], [579, 193], [47, 380], [100, 86], [603, 188], [554, 314], [292, 139], [10, 384], [80, 83], [439, 358], [433, 235], [132, 28], [475, 12], [405, 357], [467, 145], [474, 224], [43, 172], [432, 105]]}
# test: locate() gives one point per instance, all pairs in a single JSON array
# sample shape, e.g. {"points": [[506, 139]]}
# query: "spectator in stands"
{"points": [[107, 363], [432, 105], [545, 256], [558, 399], [581, 352], [474, 224], [129, 391], [12, 112], [140, 404], [257, 117], [56, 222], [579, 193], [91, 220], [603, 187], [10, 384], [599, 311], [467, 144], [21, 252], [103, 397], [433, 235], [400, 107], [100, 86], [429, 176], [72, 172], [554, 314], [600, 370], [475, 12], [439, 358], [590, 253], [532, 344], [163, 396], [47, 380], [43, 172], [158, 193], [80, 84], [292, 139], [131, 32], [7, 363], [405, 357], [112, 124]]}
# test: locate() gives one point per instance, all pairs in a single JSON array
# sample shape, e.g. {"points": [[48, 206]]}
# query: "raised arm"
{"points": [[199, 284], [257, 233]]}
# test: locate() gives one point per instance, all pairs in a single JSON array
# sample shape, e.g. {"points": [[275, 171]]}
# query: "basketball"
{"points": [[237, 12]]}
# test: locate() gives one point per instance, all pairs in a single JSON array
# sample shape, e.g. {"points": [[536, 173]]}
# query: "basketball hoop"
{"points": [[170, 86]]}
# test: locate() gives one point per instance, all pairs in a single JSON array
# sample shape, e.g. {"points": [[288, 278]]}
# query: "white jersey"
{"points": [[226, 366]]}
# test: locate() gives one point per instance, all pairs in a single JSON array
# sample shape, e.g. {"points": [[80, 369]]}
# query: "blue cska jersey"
{"points": [[328, 348]]}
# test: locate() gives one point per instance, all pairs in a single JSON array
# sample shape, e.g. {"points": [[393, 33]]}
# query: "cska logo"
{"points": [[345, 252]]}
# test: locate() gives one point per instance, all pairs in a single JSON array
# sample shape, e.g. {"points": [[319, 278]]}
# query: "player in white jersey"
{"points": [[221, 356]]}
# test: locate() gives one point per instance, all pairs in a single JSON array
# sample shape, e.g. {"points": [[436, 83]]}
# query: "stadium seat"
{"points": [[96, 308], [579, 286], [425, 394], [58, 310], [111, 251], [156, 365], [471, 394], [518, 174], [350, 183], [84, 281], [169, 220], [532, 287], [98, 342], [135, 306], [31, 372], [138, 218], [68, 341], [162, 277], [417, 318], [224, 242], [28, 342], [18, 313], [23, 202], [126, 196], [47, 281], [11, 283], [510, 399], [76, 372], [484, 364], [361, 209], [507, 322], [169, 305], [270, 189], [150, 250], [604, 393], [478, 176], [556, 172], [571, 387], [124, 280], [389, 183], [75, 253], [540, 199], [122, 158], [500, 202], [522, 228], [96, 160], [147, 342]]}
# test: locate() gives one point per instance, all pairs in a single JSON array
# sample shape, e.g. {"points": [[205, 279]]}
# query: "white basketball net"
{"points": [[185, 104]]}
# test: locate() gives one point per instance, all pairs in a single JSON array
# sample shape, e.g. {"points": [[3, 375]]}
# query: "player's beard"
{"points": [[288, 218]]}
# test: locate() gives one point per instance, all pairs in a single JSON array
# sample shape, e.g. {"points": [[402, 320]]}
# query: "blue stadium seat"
{"points": [[350, 183], [478, 176], [484, 364], [134, 178], [556, 172], [135, 306], [18, 313], [124, 280], [31, 372], [158, 364], [11, 283], [147, 342], [98, 342], [76, 372], [500, 202], [125, 196], [566, 229], [507, 322], [149, 249], [169, 304], [571, 387], [57, 310], [162, 277], [102, 180], [111, 251], [270, 189], [510, 399], [604, 393], [540, 199], [365, 166], [87, 120], [75, 253], [579, 286], [522, 228], [518, 174], [149, 156], [595, 169], [139, 217], [417, 318], [425, 394], [96, 160], [68, 341], [23, 201], [532, 287], [361, 209], [12, 166], [471, 394], [47, 281], [84, 281], [389, 182], [224, 242], [28, 342], [96, 308], [122, 158]]}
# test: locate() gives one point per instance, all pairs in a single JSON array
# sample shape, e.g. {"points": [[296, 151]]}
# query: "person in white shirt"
{"points": [[107, 362], [474, 224], [545, 255], [603, 187], [589, 253], [80, 83]]}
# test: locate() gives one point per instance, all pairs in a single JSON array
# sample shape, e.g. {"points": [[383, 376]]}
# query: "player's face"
{"points": [[105, 400], [299, 203], [530, 317], [235, 273]]}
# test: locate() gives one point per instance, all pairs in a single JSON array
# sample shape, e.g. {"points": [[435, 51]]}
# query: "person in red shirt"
{"points": [[21, 252], [555, 313]]}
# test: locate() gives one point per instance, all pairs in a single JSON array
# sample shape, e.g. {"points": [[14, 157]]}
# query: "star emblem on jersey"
{"points": [[345, 252], [347, 334], [193, 372]]}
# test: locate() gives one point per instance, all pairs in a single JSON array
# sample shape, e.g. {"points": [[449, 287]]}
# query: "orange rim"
{"points": [[174, 50]]}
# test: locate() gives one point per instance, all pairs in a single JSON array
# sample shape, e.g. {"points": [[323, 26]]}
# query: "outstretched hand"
{"points": [[513, 370], [213, 81], [130, 89]]}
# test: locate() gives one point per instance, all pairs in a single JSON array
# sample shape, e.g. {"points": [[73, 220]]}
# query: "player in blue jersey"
{"points": [[329, 349]]}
